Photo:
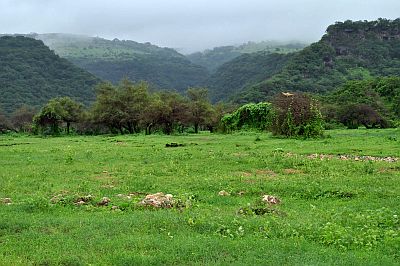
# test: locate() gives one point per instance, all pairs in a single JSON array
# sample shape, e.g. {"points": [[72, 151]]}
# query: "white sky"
{"points": [[190, 25]]}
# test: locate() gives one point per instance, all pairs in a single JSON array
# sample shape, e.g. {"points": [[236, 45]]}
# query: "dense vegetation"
{"points": [[214, 58], [129, 108], [348, 51], [373, 102], [30, 73], [243, 71], [114, 60]]}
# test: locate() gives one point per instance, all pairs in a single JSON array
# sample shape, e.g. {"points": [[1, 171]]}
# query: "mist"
{"points": [[191, 25]]}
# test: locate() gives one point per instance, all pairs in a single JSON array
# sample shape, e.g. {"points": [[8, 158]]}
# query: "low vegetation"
{"points": [[244, 198]]}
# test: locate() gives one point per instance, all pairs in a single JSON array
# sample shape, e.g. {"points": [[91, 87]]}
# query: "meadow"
{"points": [[337, 207]]}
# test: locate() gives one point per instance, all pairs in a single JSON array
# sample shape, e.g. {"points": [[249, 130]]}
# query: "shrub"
{"points": [[296, 115], [356, 115], [252, 116]]}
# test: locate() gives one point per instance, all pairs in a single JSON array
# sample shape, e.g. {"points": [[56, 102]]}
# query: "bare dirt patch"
{"points": [[291, 171], [265, 172]]}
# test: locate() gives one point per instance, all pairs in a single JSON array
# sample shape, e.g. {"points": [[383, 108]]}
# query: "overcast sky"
{"points": [[189, 24]]}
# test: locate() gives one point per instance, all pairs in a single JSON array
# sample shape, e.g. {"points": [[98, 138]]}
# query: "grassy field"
{"points": [[342, 211]]}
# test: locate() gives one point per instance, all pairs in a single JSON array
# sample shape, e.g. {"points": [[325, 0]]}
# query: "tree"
{"points": [[22, 118], [121, 107], [168, 110], [132, 100], [355, 115], [57, 111], [200, 107], [105, 109], [5, 124]]}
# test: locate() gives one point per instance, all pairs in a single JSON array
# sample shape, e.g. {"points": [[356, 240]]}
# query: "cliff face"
{"points": [[349, 50], [344, 36]]}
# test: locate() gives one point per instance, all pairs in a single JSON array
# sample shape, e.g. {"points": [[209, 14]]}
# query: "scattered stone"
{"points": [[271, 200], [6, 201], [158, 200], [104, 201], [342, 157], [79, 203], [223, 193], [56, 198], [241, 193], [83, 200], [114, 208]]}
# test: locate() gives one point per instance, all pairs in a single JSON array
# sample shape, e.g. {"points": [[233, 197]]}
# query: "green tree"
{"points": [[121, 107], [57, 111], [200, 107], [22, 118], [5, 124]]}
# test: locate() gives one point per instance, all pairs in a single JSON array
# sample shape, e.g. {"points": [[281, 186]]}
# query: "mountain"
{"points": [[243, 71], [349, 50], [214, 58], [116, 59], [30, 73]]}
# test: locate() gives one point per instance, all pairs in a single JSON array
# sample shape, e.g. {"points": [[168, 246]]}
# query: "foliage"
{"points": [[55, 112], [121, 107], [353, 116], [216, 57], [377, 98], [199, 106], [22, 118], [114, 60], [246, 69], [5, 124], [31, 74], [252, 116], [349, 51], [296, 115], [131, 107]]}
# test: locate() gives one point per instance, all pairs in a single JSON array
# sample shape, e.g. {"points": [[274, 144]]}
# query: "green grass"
{"points": [[332, 211]]}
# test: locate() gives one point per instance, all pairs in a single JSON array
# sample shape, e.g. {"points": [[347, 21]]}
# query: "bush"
{"points": [[249, 116], [355, 115], [296, 115]]}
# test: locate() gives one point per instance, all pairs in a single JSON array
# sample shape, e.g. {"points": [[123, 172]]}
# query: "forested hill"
{"points": [[116, 59], [212, 59], [30, 73], [349, 50], [243, 71]]}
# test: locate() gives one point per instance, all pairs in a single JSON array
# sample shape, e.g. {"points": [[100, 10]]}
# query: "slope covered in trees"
{"points": [[348, 51], [31, 74], [243, 71], [114, 60], [212, 59]]}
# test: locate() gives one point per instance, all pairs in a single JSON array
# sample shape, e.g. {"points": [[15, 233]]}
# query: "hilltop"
{"points": [[212, 59], [116, 59], [30, 73], [349, 50]]}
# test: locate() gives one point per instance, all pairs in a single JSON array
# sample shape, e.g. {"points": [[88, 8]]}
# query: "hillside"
{"points": [[244, 71], [349, 50], [214, 58], [30, 73], [116, 59]]}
